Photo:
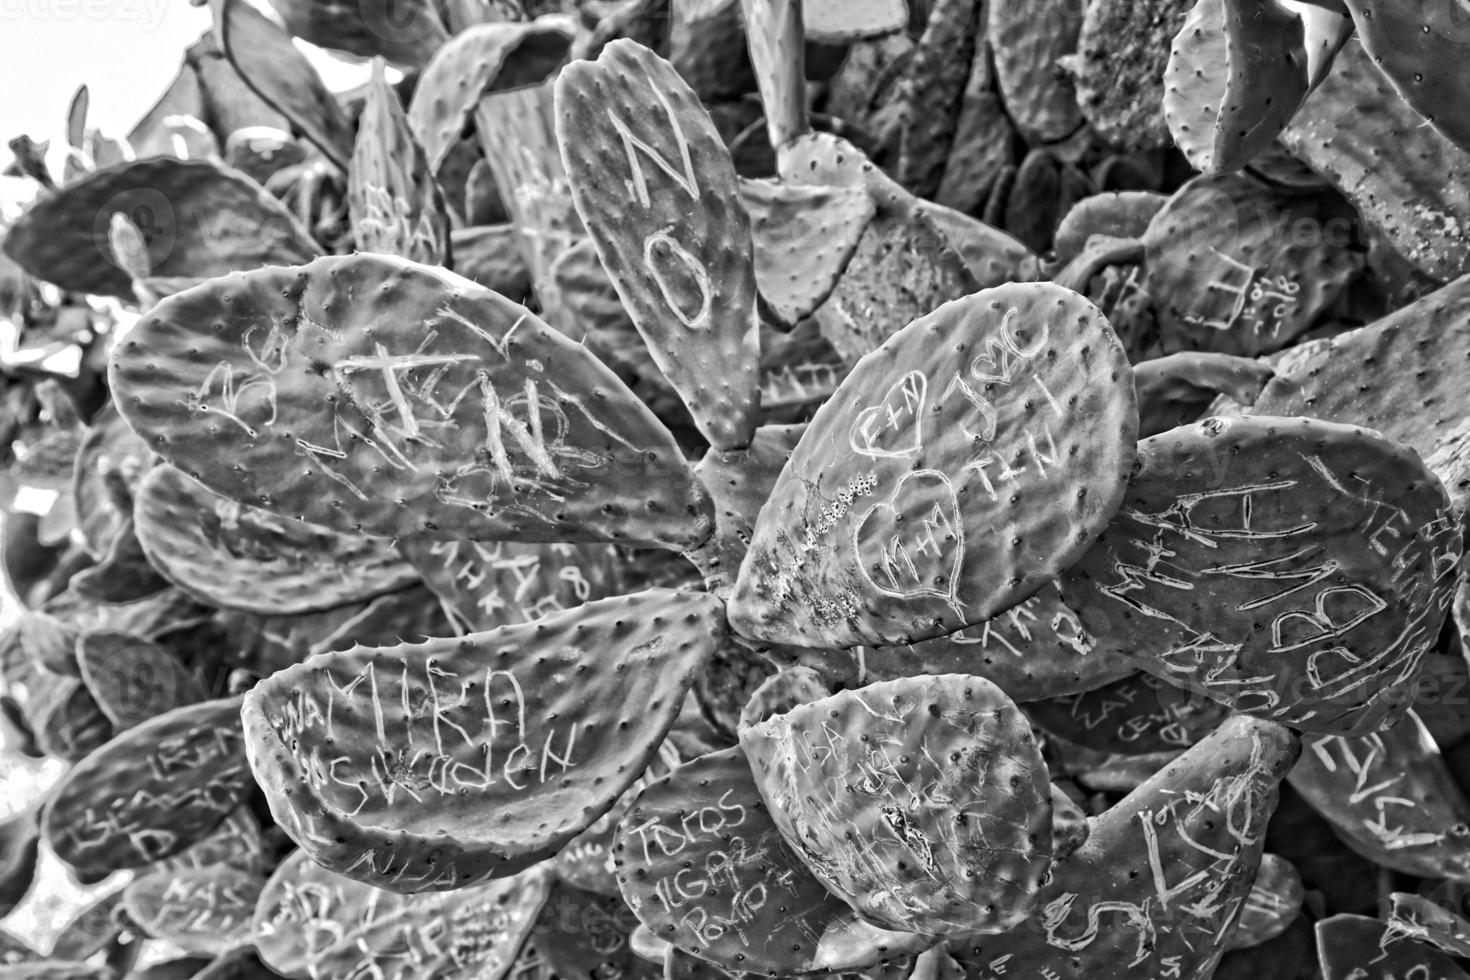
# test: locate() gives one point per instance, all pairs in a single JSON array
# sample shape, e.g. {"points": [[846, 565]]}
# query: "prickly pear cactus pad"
{"points": [[1290, 568], [1133, 716], [434, 766], [373, 395], [803, 239], [956, 470], [202, 219], [1356, 947], [132, 679], [312, 923], [208, 910], [656, 189], [923, 803], [702, 864], [1157, 888], [152, 791], [243, 557]]}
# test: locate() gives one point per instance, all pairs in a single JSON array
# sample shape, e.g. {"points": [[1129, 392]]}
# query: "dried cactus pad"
{"points": [[199, 219], [207, 910], [1293, 569], [923, 803], [656, 189], [959, 467], [150, 792], [434, 766], [243, 557], [1159, 885], [312, 923], [702, 864], [370, 394]]}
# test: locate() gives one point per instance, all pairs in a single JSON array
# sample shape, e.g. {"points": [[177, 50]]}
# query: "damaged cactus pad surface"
{"points": [[717, 489]]}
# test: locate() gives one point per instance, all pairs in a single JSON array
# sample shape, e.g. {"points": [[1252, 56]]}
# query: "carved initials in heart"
{"points": [[891, 428], [918, 553]]}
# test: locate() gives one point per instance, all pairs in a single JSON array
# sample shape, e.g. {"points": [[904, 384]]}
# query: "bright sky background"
{"points": [[126, 51]]}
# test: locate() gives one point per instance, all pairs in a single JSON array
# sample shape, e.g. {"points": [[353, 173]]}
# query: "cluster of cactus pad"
{"points": [[905, 489]]}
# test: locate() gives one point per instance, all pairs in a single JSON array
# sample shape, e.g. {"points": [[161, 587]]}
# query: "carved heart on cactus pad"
{"points": [[913, 544]]}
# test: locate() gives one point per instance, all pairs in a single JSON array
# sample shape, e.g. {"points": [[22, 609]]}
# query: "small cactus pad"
{"points": [[312, 923], [924, 803], [1356, 947], [152, 791], [383, 763], [1119, 214], [485, 584], [846, 20], [803, 238], [370, 394], [702, 864], [1327, 554], [1274, 903], [957, 469], [203, 220], [1033, 650], [1227, 275], [208, 910], [1391, 797], [656, 188], [1237, 72], [1160, 883], [1027, 38], [133, 679], [1429, 921], [243, 557], [394, 203], [782, 691]]}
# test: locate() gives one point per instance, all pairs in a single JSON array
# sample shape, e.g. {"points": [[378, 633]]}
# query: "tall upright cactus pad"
{"points": [[1036, 649], [279, 73], [1159, 885], [198, 218], [656, 188], [1237, 72], [1357, 947], [804, 236], [243, 557], [310, 922], [1028, 39], [395, 204], [776, 35], [703, 865], [150, 792], [1423, 398], [1327, 552], [1404, 176], [923, 803], [374, 395], [383, 763], [488, 584], [1420, 45], [1391, 797], [958, 468], [1229, 275], [207, 910]]}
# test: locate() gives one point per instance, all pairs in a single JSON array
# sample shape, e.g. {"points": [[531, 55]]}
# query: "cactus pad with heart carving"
{"points": [[371, 394], [924, 803], [426, 767], [957, 469], [656, 188], [1291, 568], [702, 864]]}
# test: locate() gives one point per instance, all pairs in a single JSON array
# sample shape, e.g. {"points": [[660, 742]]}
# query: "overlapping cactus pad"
{"points": [[713, 489]]}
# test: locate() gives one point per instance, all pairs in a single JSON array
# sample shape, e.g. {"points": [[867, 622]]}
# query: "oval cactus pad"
{"points": [[133, 679], [312, 923], [205, 910], [1293, 569], [702, 864], [367, 393], [434, 766], [957, 469], [656, 189], [152, 791], [243, 557], [924, 803]]}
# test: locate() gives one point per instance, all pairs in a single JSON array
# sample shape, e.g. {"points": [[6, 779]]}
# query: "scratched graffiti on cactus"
{"points": [[497, 583]]}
